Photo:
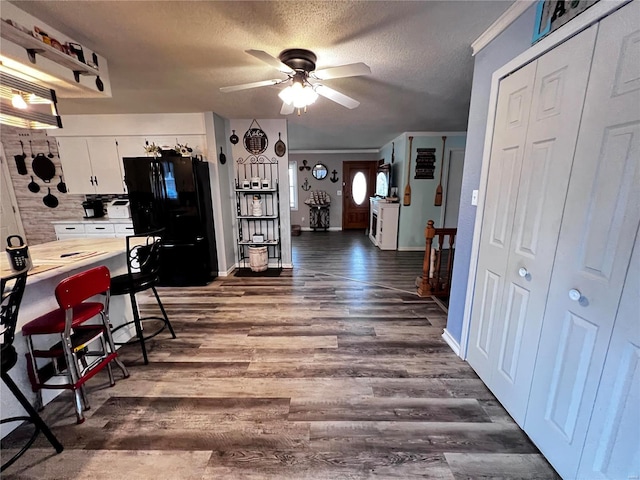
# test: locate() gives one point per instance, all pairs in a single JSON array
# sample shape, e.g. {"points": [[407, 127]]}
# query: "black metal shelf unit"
{"points": [[257, 190]]}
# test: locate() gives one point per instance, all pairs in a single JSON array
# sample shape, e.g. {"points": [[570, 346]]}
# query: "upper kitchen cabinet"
{"points": [[91, 165]]}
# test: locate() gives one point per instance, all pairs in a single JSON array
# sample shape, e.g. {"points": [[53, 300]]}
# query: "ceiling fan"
{"points": [[304, 80]]}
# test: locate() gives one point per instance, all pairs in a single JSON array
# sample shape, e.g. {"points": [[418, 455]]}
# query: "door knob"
{"points": [[523, 272], [575, 295]]}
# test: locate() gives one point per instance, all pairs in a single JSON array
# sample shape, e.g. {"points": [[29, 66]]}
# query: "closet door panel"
{"points": [[558, 97], [512, 118], [601, 218], [612, 449]]}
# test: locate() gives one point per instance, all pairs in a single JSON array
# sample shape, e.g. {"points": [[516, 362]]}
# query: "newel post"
{"points": [[424, 290]]}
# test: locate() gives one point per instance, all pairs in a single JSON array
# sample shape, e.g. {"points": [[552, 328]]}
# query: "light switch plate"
{"points": [[339, 193], [474, 197]]}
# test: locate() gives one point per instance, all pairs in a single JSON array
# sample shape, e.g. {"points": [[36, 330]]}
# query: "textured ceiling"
{"points": [[167, 56]]}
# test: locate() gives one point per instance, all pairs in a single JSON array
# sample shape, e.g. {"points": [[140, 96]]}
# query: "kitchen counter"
{"points": [[53, 262]]}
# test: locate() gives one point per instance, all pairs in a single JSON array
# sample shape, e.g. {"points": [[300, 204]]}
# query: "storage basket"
{"points": [[258, 259]]}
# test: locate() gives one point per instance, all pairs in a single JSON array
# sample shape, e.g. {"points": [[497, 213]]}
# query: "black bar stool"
{"points": [[9, 317], [143, 273]]}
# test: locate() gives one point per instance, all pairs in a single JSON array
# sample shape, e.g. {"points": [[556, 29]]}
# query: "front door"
{"points": [[359, 183]]}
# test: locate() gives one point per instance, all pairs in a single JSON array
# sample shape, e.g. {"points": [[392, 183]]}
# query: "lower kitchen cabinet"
{"points": [[92, 229]]}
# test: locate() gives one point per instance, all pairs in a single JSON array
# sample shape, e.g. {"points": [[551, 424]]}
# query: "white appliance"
{"points": [[119, 209]]}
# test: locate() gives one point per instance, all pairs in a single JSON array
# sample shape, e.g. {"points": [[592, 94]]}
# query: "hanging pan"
{"points": [[43, 167], [223, 157], [49, 200], [62, 187], [20, 164], [280, 147], [33, 186]]}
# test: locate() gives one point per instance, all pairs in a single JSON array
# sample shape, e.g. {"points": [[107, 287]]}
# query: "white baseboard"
{"points": [[411, 249], [451, 341]]}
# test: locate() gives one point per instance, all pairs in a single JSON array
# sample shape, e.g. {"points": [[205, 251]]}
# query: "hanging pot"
{"points": [[280, 147], [31, 149], [62, 187], [223, 157], [33, 186], [43, 167], [49, 200], [234, 138], [20, 163]]}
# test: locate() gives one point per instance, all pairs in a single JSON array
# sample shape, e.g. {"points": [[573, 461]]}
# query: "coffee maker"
{"points": [[93, 208]]}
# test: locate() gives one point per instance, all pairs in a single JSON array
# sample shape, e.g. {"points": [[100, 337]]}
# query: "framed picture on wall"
{"points": [[552, 14]]}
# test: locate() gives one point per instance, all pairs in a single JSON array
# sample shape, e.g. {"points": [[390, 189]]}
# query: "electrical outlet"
{"points": [[474, 197], [302, 219], [339, 193]]}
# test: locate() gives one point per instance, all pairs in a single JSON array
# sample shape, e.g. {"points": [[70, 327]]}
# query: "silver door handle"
{"points": [[575, 295], [523, 272]]}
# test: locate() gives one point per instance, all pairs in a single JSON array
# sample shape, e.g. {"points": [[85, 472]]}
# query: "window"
{"points": [[359, 188], [293, 185]]}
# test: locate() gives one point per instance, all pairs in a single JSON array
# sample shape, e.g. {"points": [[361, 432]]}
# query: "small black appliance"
{"points": [[93, 208]]}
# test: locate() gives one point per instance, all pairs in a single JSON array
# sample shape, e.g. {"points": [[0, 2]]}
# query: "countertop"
{"points": [[92, 220], [47, 259]]}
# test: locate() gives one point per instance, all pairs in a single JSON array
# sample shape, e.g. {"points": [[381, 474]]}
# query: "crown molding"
{"points": [[500, 25]]}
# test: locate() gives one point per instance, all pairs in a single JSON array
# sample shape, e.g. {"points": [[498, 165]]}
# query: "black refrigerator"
{"points": [[174, 193]]}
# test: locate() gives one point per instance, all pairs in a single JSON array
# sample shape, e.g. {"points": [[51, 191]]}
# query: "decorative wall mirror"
{"points": [[319, 171]]}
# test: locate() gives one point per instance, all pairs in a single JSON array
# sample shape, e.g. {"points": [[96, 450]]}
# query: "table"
{"points": [[52, 262]]}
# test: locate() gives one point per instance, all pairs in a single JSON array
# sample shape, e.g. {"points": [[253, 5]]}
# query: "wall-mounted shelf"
{"points": [[34, 47]]}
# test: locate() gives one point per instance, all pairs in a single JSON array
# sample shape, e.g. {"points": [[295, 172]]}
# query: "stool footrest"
{"points": [[135, 340]]}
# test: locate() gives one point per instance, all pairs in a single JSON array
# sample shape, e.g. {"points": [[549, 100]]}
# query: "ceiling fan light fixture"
{"points": [[298, 95]]}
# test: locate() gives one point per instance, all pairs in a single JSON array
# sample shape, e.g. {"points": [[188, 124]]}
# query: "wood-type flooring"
{"points": [[333, 370]]}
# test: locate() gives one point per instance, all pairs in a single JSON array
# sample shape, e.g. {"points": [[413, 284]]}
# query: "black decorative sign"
{"points": [[425, 163], [255, 140]]}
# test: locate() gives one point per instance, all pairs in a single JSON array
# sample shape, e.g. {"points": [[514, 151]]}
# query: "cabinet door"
{"points": [[512, 119], [601, 218], [130, 147], [612, 449], [558, 97], [105, 165], [74, 157]]}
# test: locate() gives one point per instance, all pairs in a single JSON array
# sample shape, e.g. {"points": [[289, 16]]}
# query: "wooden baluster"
{"points": [[452, 241], [424, 290]]}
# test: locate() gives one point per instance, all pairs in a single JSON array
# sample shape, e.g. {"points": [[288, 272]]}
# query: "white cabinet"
{"points": [[91, 165], [383, 224], [93, 229]]}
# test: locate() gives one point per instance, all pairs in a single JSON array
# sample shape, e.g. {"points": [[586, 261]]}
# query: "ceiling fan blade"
{"points": [[246, 86], [286, 109], [351, 70], [270, 60], [336, 96]]}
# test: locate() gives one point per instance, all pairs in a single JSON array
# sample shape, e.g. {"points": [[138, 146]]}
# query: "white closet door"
{"points": [[601, 217], [558, 97], [512, 119], [612, 449]]}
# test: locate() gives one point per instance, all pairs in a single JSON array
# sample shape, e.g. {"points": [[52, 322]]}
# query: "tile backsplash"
{"points": [[36, 216]]}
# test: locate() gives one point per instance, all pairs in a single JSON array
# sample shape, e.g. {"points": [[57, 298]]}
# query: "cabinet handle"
{"points": [[96, 177], [69, 228], [91, 180], [575, 295], [100, 228], [523, 272]]}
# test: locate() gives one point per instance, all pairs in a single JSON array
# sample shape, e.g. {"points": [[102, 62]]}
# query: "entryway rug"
{"points": [[247, 272]]}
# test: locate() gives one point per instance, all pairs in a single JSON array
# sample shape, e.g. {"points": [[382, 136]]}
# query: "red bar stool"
{"points": [[84, 349]]}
